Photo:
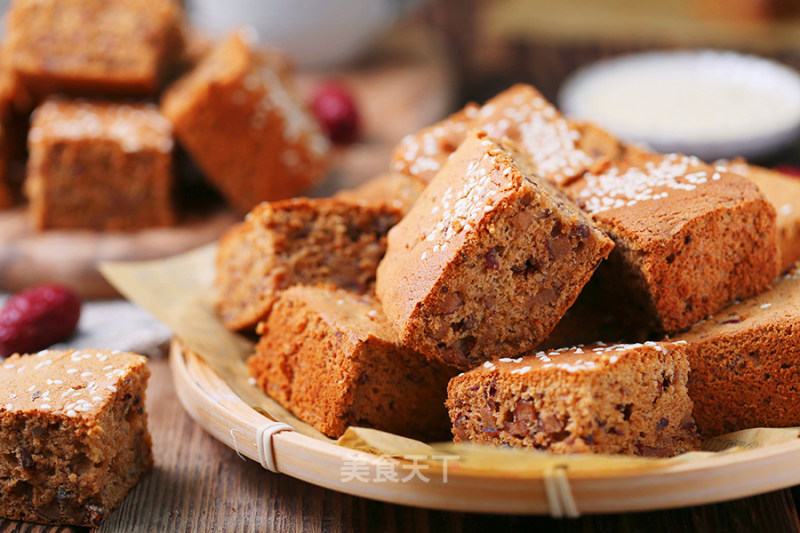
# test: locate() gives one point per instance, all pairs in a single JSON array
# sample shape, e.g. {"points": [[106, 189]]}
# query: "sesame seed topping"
{"points": [[766, 306], [653, 181]]}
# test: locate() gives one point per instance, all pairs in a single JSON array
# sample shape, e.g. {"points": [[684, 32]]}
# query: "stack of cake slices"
{"points": [[109, 88], [519, 278]]}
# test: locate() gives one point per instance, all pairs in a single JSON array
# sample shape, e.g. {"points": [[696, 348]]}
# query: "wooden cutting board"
{"points": [[401, 85]]}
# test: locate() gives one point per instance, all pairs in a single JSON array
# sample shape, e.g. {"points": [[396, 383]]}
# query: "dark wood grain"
{"points": [[198, 484]]}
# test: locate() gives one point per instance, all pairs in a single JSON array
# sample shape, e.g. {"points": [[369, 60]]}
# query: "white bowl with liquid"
{"points": [[712, 104]]}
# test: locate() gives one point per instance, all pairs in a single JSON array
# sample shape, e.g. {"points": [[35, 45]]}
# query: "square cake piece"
{"points": [[745, 362], [93, 46], [615, 399], [298, 241], [332, 358], [74, 434], [488, 260], [783, 192], [99, 165], [689, 239], [554, 145], [239, 118]]}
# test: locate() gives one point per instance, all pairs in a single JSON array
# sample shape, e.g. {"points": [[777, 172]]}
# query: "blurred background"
{"points": [[397, 66], [484, 46]]}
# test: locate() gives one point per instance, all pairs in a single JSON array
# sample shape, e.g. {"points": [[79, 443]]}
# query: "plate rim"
{"points": [[227, 418]]}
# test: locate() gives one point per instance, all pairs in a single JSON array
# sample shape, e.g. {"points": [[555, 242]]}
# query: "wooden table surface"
{"points": [[198, 484]]}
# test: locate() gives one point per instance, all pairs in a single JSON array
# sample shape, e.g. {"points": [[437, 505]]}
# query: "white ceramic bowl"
{"points": [[705, 103], [315, 33]]}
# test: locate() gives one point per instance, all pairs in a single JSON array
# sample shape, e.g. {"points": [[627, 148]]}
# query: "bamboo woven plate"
{"points": [[556, 490]]}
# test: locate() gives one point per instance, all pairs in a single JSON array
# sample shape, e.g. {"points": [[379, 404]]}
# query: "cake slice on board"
{"points": [[488, 259]]}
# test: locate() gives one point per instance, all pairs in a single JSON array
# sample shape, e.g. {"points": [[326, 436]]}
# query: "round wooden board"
{"points": [[401, 86], [28, 257], [209, 400]]}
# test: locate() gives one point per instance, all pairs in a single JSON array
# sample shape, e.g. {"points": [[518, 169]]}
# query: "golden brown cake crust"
{"points": [[629, 399], [99, 165], [298, 241], [745, 362], [93, 46], [783, 192], [74, 436], [332, 358], [488, 259], [239, 118], [689, 239], [395, 191], [553, 144]]}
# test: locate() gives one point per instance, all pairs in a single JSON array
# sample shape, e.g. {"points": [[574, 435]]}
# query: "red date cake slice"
{"points": [[614, 399], [93, 46], [239, 117], [554, 145], [298, 241], [73, 434], [783, 192], [99, 165], [689, 239], [488, 260], [746, 362], [331, 357]]}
